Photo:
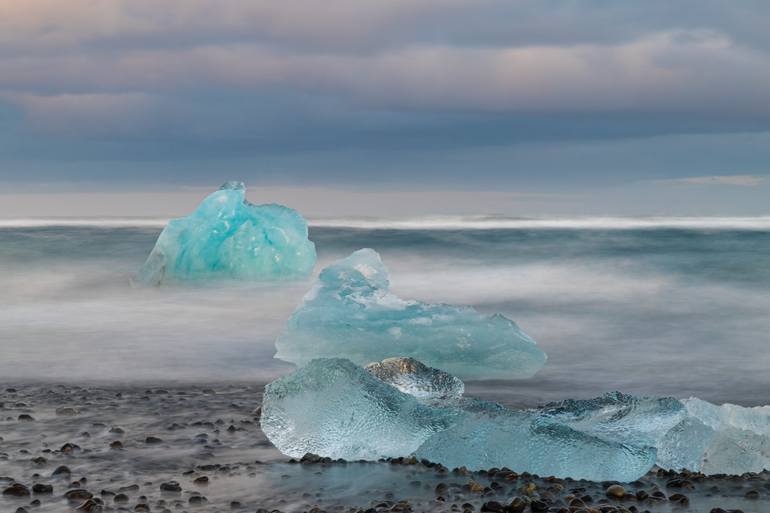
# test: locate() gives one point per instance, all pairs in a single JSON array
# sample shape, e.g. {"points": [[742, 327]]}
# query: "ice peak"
{"points": [[233, 186]]}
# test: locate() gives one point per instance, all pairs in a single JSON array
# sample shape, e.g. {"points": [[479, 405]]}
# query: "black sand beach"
{"points": [[200, 448]]}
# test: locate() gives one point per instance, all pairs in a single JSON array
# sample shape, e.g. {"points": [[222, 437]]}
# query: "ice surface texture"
{"points": [[335, 408], [351, 314], [228, 237], [414, 378], [736, 439]]}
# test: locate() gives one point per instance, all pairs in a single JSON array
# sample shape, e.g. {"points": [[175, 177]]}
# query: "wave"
{"points": [[109, 222], [757, 223], [761, 223]]}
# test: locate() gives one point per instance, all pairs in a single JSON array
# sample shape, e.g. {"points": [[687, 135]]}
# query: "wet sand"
{"points": [[200, 448]]}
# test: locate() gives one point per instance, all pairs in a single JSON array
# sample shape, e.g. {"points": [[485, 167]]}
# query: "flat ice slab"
{"points": [[228, 237], [351, 314]]}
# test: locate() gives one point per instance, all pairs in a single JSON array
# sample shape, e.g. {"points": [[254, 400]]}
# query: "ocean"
{"points": [[677, 307]]}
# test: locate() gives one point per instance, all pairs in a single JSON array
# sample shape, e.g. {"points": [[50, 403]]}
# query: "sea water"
{"points": [[649, 307]]}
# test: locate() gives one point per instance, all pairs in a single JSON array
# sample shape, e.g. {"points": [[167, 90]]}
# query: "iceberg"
{"points": [[229, 237], [414, 378], [336, 409], [351, 314]]}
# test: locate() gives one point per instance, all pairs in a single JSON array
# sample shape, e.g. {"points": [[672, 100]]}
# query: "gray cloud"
{"points": [[369, 80]]}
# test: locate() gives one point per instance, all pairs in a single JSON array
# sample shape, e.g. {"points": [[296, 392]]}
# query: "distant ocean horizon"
{"points": [[441, 222], [646, 305]]}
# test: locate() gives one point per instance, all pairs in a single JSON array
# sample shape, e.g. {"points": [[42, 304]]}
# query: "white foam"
{"points": [[761, 223], [109, 222]]}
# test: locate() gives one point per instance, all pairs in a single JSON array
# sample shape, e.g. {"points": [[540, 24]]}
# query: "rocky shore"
{"points": [[200, 448]]}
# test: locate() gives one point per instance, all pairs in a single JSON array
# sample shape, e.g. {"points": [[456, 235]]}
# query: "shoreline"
{"points": [[152, 446]]}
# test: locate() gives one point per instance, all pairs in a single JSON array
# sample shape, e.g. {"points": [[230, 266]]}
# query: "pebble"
{"points": [[17, 490], [493, 507], [78, 494], [42, 489], [171, 487], [62, 470], [615, 491]]}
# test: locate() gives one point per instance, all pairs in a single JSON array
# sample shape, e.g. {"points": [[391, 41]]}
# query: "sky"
{"points": [[409, 106]]}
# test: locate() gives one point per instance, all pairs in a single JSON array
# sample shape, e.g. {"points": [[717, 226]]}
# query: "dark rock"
{"points": [[171, 487], [197, 500], [91, 506], [16, 490], [42, 489], [492, 507], [752, 494], [69, 448], [78, 494], [518, 505], [680, 499], [62, 470], [153, 440]]}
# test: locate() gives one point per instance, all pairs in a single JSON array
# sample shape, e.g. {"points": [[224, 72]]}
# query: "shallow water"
{"points": [[660, 311]]}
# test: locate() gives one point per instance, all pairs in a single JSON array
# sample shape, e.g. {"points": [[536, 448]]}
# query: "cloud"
{"points": [[665, 72], [730, 180], [92, 113], [403, 87]]}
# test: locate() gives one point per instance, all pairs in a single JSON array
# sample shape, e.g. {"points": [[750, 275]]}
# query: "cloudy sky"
{"points": [[627, 106]]}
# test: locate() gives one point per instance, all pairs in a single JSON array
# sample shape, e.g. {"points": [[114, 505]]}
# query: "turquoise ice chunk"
{"points": [[351, 314], [229, 238]]}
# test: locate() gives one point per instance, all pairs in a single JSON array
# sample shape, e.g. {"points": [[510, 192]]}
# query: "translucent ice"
{"points": [[334, 408], [619, 417], [653, 422], [228, 237], [414, 378], [489, 435], [350, 313], [737, 440]]}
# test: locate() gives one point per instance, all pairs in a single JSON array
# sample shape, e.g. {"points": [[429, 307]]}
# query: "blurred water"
{"points": [[663, 311]]}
